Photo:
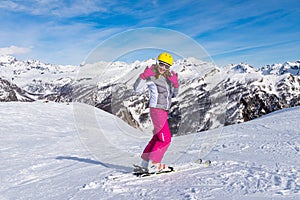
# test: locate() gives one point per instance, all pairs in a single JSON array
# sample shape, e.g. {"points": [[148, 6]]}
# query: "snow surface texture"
{"points": [[42, 157]]}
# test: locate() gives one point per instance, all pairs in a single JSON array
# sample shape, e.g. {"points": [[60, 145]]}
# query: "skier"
{"points": [[162, 86]]}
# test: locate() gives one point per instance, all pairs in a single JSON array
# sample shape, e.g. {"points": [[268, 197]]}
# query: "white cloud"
{"points": [[55, 7], [8, 5], [135, 40], [14, 50]]}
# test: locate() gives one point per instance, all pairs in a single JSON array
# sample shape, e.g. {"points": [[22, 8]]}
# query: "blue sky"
{"points": [[257, 32]]}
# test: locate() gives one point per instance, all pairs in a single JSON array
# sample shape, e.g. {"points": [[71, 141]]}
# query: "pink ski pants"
{"points": [[161, 139]]}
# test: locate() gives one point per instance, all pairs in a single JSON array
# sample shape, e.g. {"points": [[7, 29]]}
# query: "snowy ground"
{"points": [[43, 156]]}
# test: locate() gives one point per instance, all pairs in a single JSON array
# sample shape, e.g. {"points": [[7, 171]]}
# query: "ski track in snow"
{"points": [[43, 158], [227, 178]]}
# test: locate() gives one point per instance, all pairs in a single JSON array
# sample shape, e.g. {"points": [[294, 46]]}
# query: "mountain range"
{"points": [[209, 96]]}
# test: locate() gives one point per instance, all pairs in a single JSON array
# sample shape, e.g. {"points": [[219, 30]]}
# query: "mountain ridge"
{"points": [[209, 96]]}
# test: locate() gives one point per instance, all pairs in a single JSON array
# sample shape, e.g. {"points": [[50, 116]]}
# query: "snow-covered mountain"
{"points": [[257, 92], [280, 69], [39, 79], [209, 96], [43, 157], [11, 92]]}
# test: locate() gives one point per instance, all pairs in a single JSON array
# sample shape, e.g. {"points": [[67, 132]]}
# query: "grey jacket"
{"points": [[160, 89]]}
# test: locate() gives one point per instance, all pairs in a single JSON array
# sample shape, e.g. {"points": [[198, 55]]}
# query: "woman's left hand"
{"points": [[174, 79]]}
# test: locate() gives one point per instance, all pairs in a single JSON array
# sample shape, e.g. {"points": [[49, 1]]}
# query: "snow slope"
{"points": [[44, 156]]}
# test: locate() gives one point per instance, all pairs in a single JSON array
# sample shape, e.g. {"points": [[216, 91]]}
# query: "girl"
{"points": [[162, 86]]}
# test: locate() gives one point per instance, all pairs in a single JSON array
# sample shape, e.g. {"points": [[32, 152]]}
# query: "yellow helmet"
{"points": [[166, 58]]}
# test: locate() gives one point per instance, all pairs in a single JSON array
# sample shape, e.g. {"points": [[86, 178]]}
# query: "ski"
{"points": [[141, 172]]}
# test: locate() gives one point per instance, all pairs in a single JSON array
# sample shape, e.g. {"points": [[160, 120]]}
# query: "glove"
{"points": [[174, 79], [147, 73]]}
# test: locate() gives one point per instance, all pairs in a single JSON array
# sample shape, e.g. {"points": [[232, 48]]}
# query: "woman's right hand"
{"points": [[147, 73]]}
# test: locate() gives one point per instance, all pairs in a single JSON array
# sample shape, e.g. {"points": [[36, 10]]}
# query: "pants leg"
{"points": [[157, 147], [147, 151]]}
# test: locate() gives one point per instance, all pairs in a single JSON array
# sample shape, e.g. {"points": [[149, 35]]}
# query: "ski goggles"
{"points": [[164, 65]]}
